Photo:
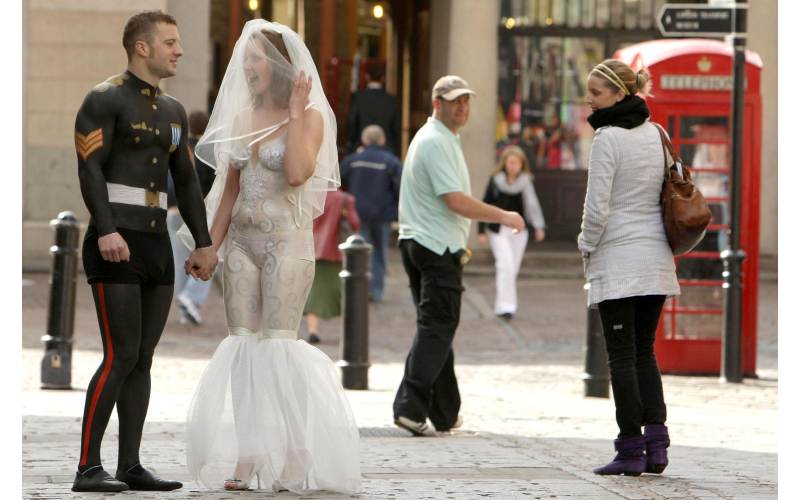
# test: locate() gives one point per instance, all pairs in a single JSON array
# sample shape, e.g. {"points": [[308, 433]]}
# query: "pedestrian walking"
{"points": [[128, 136], [628, 261], [374, 106], [325, 298], [510, 188], [373, 177], [189, 294], [435, 211], [270, 406]]}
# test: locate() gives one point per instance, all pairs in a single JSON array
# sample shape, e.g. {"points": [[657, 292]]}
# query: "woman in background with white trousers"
{"points": [[510, 188]]}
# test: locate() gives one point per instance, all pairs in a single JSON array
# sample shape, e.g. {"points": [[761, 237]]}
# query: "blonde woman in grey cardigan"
{"points": [[628, 261]]}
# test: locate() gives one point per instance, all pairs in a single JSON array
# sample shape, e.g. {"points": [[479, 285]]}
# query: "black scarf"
{"points": [[628, 113]]}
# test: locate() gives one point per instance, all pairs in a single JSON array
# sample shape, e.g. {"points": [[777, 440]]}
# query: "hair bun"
{"points": [[643, 83]]}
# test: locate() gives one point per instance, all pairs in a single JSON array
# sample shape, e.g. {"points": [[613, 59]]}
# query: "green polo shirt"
{"points": [[434, 166]]}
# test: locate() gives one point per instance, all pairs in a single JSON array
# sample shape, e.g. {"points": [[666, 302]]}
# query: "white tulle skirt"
{"points": [[278, 405]]}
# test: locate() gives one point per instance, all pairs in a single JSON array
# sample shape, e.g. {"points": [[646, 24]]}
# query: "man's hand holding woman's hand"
{"points": [[201, 263]]}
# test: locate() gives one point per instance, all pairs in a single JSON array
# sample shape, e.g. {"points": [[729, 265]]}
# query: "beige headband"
{"points": [[615, 80]]}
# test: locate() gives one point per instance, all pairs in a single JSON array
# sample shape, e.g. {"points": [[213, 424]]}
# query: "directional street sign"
{"points": [[701, 20]]}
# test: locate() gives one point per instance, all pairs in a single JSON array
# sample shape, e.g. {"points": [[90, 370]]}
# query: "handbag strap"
{"points": [[666, 143]]}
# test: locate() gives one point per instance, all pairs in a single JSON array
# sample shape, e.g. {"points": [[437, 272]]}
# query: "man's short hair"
{"points": [[373, 134], [198, 121], [376, 72], [143, 27]]}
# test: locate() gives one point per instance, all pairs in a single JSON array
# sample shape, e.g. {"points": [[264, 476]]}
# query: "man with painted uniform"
{"points": [[128, 135], [435, 212]]}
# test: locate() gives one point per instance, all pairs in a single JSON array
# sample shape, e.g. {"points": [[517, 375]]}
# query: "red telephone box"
{"points": [[692, 87]]}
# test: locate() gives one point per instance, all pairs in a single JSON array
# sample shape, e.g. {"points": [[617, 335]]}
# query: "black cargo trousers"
{"points": [[429, 388]]}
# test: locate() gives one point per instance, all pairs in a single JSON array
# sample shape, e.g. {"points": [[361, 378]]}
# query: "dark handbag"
{"points": [[345, 229], [684, 210]]}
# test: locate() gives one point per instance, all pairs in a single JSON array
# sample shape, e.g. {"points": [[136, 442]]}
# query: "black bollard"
{"points": [[354, 343], [596, 376], [57, 361]]}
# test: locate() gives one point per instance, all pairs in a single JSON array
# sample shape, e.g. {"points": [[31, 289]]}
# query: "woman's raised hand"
{"points": [[299, 98]]}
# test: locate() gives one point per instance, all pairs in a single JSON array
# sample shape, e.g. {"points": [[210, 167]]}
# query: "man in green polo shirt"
{"points": [[435, 212]]}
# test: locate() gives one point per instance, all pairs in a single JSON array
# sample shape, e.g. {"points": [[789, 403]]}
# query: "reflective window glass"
{"points": [[699, 297], [707, 128], [541, 91], [701, 268], [698, 326], [705, 156]]}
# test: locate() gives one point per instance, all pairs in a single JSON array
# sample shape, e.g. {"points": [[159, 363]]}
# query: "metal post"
{"points": [[596, 376], [733, 255], [57, 361], [354, 343]]}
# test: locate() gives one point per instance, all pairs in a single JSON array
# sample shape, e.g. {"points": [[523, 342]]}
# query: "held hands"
{"points": [[113, 248], [201, 263], [299, 98], [514, 221]]}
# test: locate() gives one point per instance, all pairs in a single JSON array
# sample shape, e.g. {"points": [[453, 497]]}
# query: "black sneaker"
{"points": [[97, 480], [506, 316], [313, 339]]}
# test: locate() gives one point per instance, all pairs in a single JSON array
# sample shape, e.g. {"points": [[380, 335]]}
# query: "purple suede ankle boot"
{"points": [[656, 440], [630, 459]]}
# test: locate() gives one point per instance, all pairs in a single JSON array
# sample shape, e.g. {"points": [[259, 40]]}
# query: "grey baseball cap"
{"points": [[449, 87]]}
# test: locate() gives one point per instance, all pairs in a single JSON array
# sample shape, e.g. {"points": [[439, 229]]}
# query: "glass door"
{"points": [[700, 135]]}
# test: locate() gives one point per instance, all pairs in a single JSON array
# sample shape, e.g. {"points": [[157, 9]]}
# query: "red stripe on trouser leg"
{"points": [[102, 381]]}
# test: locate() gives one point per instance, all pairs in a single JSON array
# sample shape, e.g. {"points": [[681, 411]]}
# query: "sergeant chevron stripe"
{"points": [[88, 144]]}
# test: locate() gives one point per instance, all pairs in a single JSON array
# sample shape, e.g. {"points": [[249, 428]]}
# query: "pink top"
{"points": [[326, 226]]}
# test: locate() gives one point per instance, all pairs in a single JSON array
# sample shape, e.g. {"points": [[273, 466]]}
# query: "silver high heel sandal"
{"points": [[243, 484]]}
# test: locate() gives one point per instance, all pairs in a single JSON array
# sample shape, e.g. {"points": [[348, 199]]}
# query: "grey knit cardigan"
{"points": [[622, 238]]}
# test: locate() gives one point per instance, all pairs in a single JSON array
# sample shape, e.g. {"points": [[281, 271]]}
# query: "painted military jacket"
{"points": [[130, 133]]}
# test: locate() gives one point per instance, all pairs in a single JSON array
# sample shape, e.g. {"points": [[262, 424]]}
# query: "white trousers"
{"points": [[508, 249]]}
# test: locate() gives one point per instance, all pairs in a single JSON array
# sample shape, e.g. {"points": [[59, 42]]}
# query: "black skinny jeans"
{"points": [[429, 388], [629, 327]]}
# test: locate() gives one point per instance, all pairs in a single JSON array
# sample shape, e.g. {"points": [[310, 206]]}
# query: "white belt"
{"points": [[120, 193]]}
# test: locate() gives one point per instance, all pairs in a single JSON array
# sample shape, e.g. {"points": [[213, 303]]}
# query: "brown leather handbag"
{"points": [[684, 210]]}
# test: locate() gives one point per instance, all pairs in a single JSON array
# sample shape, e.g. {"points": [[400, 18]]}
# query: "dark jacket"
{"points": [[513, 202], [374, 107], [373, 177]]}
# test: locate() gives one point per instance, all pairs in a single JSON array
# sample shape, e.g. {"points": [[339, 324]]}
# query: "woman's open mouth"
{"points": [[252, 80]]}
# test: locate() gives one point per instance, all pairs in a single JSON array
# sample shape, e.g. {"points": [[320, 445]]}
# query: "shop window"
{"points": [[542, 86]]}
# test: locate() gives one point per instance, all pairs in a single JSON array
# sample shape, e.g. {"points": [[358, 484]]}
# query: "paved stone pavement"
{"points": [[528, 431]]}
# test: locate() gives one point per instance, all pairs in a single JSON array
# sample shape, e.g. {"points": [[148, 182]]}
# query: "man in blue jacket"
{"points": [[373, 177]]}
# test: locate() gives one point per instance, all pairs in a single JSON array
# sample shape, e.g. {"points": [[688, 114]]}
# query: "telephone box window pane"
{"points": [[603, 13], [706, 128], [631, 14], [646, 15], [573, 13], [705, 156], [697, 297], [559, 13], [588, 13], [617, 13], [671, 126], [693, 268], [666, 318], [698, 326]]}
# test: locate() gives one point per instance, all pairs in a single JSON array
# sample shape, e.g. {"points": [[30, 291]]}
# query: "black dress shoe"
{"points": [[313, 339], [139, 478], [99, 481]]}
